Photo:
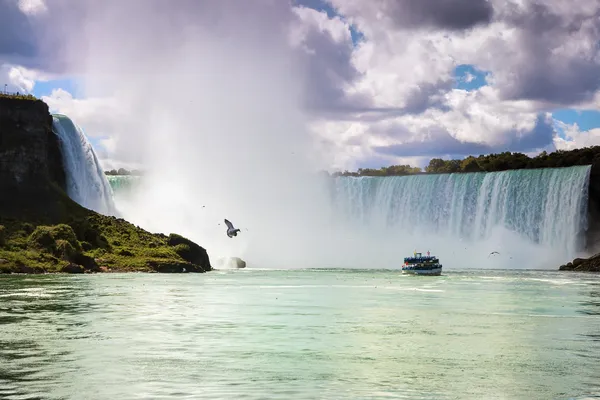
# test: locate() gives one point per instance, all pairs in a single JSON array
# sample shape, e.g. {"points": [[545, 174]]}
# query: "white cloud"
{"points": [[17, 78], [98, 116], [575, 138], [32, 7]]}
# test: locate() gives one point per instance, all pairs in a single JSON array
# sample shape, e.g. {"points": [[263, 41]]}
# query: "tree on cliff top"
{"points": [[491, 163]]}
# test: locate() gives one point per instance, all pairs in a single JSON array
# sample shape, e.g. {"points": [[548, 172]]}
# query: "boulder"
{"points": [[72, 269], [591, 264], [190, 251], [231, 263]]}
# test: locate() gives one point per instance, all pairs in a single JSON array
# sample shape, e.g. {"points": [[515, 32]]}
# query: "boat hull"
{"points": [[436, 271]]}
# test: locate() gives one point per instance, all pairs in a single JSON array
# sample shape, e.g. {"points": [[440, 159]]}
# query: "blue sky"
{"points": [[45, 88], [469, 78]]}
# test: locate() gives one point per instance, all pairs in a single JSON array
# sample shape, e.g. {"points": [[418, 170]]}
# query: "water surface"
{"points": [[301, 334]]}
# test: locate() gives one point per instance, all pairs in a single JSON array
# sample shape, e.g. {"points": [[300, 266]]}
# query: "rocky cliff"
{"points": [[592, 239], [43, 230], [591, 264], [30, 155]]}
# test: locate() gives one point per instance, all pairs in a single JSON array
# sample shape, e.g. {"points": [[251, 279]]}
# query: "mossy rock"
{"points": [[42, 239], [65, 250], [184, 250], [46, 237], [87, 262], [72, 269], [189, 251], [125, 252]]}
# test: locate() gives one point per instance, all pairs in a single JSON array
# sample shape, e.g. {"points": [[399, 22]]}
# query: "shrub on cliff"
{"points": [[2, 235], [65, 250], [48, 238]]}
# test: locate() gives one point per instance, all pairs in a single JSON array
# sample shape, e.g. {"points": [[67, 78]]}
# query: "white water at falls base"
{"points": [[86, 182]]}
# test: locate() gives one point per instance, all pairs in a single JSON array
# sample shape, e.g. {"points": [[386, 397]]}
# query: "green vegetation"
{"points": [[18, 96], [70, 238], [123, 171], [491, 163], [385, 171]]}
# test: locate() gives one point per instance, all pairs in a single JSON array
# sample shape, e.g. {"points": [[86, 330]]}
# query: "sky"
{"points": [[382, 81]]}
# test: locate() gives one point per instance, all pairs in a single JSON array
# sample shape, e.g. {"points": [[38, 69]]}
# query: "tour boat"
{"points": [[422, 265]]}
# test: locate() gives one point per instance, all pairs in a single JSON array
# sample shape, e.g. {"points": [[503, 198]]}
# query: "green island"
{"points": [[42, 230]]}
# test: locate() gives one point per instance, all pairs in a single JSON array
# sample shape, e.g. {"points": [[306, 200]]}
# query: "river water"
{"points": [[301, 334]]}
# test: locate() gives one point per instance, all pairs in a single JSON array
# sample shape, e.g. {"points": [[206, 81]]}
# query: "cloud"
{"points": [[326, 50], [437, 142], [17, 38], [556, 53], [18, 78], [32, 7], [445, 14], [392, 90], [575, 138], [450, 15]]}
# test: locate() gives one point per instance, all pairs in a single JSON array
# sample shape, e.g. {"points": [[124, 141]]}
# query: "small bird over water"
{"points": [[231, 231], [493, 252]]}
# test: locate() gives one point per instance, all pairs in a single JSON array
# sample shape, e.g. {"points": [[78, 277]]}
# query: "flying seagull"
{"points": [[231, 231], [493, 252]]}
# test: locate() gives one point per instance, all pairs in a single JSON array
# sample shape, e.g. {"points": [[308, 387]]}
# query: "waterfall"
{"points": [[534, 218], [123, 183], [86, 182], [543, 207]]}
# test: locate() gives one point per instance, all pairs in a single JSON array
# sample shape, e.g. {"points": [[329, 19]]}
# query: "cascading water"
{"points": [[543, 207], [533, 218], [121, 184], [86, 182]]}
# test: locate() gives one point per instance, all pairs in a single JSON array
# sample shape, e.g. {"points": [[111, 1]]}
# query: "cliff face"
{"points": [[592, 239], [30, 156]]}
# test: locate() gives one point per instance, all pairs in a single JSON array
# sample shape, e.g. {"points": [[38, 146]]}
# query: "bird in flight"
{"points": [[493, 252], [231, 231]]}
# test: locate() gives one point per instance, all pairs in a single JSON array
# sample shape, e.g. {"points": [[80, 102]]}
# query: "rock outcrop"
{"points": [[591, 264], [230, 263], [30, 154]]}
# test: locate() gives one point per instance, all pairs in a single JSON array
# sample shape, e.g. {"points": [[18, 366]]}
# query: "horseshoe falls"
{"points": [[534, 218], [86, 182]]}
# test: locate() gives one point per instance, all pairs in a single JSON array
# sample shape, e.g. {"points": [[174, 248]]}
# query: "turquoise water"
{"points": [[301, 334]]}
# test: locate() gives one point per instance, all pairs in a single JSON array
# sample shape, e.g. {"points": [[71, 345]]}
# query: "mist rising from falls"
{"points": [[86, 182], [534, 218]]}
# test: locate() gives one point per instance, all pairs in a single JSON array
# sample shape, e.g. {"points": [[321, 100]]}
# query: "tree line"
{"points": [[123, 171], [489, 163]]}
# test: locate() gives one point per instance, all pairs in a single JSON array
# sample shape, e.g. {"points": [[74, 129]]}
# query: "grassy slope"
{"points": [[56, 234]]}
